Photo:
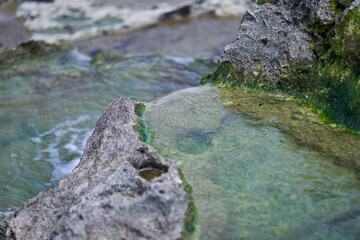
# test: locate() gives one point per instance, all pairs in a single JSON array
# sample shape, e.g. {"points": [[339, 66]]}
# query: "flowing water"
{"points": [[50, 105], [252, 180]]}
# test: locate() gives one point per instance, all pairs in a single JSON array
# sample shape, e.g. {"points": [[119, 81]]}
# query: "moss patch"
{"points": [[29, 51], [333, 88], [346, 45], [261, 2], [104, 58]]}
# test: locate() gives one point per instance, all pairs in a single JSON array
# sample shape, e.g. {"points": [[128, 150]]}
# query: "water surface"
{"points": [[250, 179]]}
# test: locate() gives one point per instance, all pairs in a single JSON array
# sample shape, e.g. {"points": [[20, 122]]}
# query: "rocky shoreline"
{"points": [[122, 188]]}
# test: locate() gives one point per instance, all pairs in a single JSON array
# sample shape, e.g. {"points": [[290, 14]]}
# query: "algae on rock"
{"points": [[319, 64]]}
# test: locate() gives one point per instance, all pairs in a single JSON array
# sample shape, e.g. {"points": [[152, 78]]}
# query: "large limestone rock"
{"points": [[269, 39], [112, 193], [274, 36]]}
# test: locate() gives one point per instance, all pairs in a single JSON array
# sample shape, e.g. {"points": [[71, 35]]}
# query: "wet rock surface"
{"points": [[105, 196]]}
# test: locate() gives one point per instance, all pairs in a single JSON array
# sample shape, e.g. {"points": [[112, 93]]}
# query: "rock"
{"points": [[346, 43], [310, 10], [13, 33], [269, 39], [75, 20], [303, 48], [274, 36], [121, 189]]}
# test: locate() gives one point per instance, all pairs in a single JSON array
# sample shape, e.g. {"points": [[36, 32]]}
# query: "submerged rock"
{"points": [[107, 196]]}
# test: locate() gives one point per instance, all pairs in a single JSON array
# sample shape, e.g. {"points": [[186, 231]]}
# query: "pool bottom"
{"points": [[251, 180]]}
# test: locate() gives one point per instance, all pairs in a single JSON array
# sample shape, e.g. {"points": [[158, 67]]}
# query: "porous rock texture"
{"points": [[273, 36], [105, 196]]}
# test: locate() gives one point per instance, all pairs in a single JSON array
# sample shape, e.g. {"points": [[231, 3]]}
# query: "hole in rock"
{"points": [[151, 171], [264, 41]]}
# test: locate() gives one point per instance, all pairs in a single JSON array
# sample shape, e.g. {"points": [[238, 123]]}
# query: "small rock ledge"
{"points": [[121, 189]]}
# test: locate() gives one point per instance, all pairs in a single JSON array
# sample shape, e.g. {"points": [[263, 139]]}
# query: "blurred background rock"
{"points": [[193, 28]]}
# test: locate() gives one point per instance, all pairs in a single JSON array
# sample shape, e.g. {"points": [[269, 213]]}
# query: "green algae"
{"points": [[104, 58], [333, 88], [339, 6], [261, 2], [253, 180], [142, 126], [346, 45], [29, 51]]}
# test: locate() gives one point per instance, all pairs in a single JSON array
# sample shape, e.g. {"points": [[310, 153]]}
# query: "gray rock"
{"points": [[269, 39], [272, 37], [310, 10], [110, 194]]}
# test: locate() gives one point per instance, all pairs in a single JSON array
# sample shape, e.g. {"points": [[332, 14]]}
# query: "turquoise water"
{"points": [[49, 106], [250, 180]]}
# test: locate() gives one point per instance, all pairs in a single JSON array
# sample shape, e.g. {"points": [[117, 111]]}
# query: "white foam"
{"points": [[62, 146], [36, 140]]}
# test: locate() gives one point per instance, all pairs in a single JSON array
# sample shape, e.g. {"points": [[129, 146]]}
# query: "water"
{"points": [[252, 180], [49, 105]]}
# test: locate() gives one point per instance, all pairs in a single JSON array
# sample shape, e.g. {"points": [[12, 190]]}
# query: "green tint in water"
{"points": [[250, 179], [50, 100]]}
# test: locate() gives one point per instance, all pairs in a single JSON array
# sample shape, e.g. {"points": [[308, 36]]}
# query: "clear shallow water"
{"points": [[250, 180], [49, 106]]}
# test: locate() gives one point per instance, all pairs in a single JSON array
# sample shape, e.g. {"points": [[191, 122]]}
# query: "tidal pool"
{"points": [[251, 178], [51, 99]]}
